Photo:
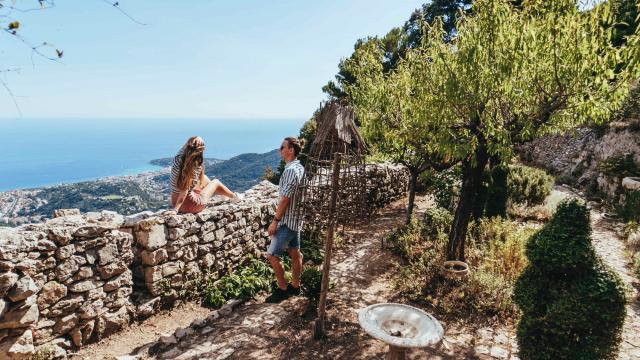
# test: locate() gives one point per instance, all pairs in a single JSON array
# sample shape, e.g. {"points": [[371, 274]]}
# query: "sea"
{"points": [[41, 152]]}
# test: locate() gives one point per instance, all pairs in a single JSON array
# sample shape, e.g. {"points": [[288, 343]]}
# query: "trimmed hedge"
{"points": [[573, 306]]}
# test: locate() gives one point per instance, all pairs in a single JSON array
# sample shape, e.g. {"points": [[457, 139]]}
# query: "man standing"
{"points": [[285, 227]]}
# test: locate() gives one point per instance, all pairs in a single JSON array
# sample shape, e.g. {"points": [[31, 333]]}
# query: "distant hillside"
{"points": [[243, 171]]}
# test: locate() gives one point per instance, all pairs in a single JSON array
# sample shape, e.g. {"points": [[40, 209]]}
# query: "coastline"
{"points": [[126, 194]]}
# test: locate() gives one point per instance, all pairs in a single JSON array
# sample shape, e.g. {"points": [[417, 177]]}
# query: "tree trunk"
{"points": [[413, 181], [471, 182], [497, 193]]}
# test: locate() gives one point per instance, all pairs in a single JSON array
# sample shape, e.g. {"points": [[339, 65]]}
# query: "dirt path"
{"points": [[138, 335], [611, 248]]}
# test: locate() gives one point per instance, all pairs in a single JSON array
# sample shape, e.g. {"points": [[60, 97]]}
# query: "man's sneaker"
{"points": [[277, 295], [293, 291]]}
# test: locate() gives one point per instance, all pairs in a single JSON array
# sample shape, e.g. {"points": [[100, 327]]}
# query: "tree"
{"points": [[507, 76], [397, 41]]}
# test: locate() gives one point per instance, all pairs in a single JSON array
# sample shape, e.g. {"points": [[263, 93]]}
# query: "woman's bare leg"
{"points": [[215, 187]]}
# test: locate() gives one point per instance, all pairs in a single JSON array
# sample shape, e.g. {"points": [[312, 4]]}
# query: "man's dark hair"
{"points": [[296, 143]]}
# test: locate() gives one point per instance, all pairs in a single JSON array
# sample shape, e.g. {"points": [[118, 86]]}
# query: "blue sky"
{"points": [[194, 59]]}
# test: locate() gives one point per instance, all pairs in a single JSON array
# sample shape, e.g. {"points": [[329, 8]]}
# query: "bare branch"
{"points": [[13, 97], [117, 6]]}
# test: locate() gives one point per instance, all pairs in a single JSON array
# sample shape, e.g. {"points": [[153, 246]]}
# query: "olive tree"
{"points": [[509, 75]]}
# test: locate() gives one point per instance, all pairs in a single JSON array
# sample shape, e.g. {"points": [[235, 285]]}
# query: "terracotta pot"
{"points": [[455, 269]]}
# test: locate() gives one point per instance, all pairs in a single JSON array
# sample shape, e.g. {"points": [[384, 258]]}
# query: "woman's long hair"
{"points": [[192, 159]]}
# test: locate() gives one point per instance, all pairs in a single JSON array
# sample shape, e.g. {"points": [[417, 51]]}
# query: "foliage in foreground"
{"points": [[496, 257], [572, 304], [243, 283]]}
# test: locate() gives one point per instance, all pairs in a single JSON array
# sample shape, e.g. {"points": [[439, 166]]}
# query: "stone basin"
{"points": [[400, 326], [631, 183]]}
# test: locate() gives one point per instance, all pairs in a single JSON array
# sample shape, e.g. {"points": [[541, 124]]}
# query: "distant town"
{"points": [[126, 194]]}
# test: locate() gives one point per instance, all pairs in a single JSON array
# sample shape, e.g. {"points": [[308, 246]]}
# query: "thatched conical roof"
{"points": [[336, 132]]}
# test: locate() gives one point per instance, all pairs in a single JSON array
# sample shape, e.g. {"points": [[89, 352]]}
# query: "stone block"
{"points": [[110, 270], [20, 317], [107, 254], [18, 347], [122, 280], [50, 293], [111, 322], [153, 257], [85, 285], [23, 288], [7, 280], [153, 273], [152, 238], [90, 310], [175, 233], [171, 268], [90, 231], [65, 324], [67, 305]]}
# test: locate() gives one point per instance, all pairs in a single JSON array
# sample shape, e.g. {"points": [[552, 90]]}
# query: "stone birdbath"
{"points": [[401, 326], [631, 183]]}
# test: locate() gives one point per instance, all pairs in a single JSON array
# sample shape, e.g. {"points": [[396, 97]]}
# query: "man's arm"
{"points": [[280, 211]]}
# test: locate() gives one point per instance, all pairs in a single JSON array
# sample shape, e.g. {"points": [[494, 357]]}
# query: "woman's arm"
{"points": [[181, 197]]}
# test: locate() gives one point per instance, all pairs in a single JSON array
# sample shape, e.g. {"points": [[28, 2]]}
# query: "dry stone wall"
{"points": [[78, 278]]}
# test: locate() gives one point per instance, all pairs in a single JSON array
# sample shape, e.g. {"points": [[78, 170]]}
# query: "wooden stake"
{"points": [[328, 249]]}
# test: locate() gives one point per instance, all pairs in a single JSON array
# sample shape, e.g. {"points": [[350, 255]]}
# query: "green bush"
{"points": [[527, 185], [572, 305], [443, 185], [243, 283], [629, 207], [435, 221], [311, 284], [619, 166]]}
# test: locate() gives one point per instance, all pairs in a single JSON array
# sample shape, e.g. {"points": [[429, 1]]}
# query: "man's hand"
{"points": [[272, 228]]}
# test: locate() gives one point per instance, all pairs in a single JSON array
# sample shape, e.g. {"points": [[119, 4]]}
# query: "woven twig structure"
{"points": [[336, 134]]}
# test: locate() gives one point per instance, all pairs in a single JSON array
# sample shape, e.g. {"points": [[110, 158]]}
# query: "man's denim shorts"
{"points": [[283, 239]]}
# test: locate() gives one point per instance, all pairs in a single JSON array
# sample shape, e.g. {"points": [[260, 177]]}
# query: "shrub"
{"points": [[527, 185], [619, 166], [443, 186], [435, 221], [629, 207], [311, 245], [496, 256], [572, 305], [311, 284], [243, 283]]}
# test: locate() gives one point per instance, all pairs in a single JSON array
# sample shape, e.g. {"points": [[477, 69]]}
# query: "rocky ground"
{"points": [[362, 272]]}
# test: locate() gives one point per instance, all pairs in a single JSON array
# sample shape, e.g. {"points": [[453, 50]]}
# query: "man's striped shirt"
{"points": [[291, 177]]}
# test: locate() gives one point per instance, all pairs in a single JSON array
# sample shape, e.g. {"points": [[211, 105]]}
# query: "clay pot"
{"points": [[455, 269]]}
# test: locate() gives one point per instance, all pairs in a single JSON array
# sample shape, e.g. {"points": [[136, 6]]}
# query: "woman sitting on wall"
{"points": [[191, 189]]}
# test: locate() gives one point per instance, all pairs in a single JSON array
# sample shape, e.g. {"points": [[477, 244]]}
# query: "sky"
{"points": [[192, 59]]}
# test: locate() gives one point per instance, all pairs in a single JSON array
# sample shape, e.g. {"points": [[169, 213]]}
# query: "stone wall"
{"points": [[576, 156], [78, 278]]}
